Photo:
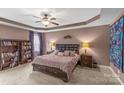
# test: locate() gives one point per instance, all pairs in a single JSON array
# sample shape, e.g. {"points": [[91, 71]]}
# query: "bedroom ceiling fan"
{"points": [[46, 19]]}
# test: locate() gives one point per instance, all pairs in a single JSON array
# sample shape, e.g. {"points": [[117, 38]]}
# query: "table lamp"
{"points": [[52, 45], [85, 45]]}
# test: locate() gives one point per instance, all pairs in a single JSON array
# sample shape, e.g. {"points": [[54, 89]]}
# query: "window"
{"points": [[36, 43]]}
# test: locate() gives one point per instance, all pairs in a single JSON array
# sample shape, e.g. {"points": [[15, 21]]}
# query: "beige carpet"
{"points": [[23, 75]]}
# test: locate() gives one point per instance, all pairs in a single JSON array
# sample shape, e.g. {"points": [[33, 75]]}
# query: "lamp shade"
{"points": [[85, 45], [52, 44]]}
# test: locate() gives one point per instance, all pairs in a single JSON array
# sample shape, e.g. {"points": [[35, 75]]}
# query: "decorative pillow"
{"points": [[60, 53], [55, 52], [72, 53], [75, 54], [66, 53]]}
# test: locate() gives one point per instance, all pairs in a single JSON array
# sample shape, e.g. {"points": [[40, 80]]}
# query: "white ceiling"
{"points": [[107, 16], [64, 15]]}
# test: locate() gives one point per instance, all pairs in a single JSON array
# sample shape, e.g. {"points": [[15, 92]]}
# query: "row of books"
{"points": [[29, 60], [27, 52], [26, 56], [26, 47], [9, 43], [11, 59], [10, 54], [26, 43]]}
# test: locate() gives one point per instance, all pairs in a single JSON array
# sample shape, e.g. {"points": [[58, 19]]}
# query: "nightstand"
{"points": [[86, 60]]}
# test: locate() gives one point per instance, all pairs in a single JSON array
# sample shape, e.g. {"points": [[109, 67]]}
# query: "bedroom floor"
{"points": [[23, 75]]}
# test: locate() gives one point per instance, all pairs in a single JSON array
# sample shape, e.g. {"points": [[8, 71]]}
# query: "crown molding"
{"points": [[9, 22], [117, 18], [74, 24], [14, 23]]}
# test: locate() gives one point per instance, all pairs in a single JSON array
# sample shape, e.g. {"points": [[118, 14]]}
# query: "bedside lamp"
{"points": [[52, 45], [85, 45]]}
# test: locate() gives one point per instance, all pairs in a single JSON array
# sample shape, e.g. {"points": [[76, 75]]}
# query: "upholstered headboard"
{"points": [[72, 47]]}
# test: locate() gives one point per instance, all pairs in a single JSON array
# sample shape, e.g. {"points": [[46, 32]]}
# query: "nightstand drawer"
{"points": [[86, 58], [87, 62]]}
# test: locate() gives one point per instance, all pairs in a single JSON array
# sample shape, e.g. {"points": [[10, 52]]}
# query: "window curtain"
{"points": [[40, 35], [31, 37]]}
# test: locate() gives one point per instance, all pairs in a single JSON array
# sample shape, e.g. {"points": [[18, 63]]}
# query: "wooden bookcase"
{"points": [[14, 52], [25, 52], [8, 53]]}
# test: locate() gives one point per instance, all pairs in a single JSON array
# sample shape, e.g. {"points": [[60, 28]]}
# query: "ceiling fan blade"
{"points": [[54, 23], [53, 18], [35, 16], [37, 21]]}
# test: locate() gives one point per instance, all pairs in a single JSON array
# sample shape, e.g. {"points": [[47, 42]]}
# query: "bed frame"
{"points": [[55, 71], [51, 71]]}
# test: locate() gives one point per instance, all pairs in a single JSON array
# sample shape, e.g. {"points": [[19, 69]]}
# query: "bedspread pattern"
{"points": [[64, 63]]}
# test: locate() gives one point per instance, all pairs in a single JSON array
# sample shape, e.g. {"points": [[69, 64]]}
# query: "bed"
{"points": [[58, 66]]}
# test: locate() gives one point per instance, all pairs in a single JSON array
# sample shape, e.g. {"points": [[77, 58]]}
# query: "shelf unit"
{"points": [[14, 52], [25, 52], [9, 55]]}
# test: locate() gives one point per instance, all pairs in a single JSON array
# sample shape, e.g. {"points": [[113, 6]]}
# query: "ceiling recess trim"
{"points": [[75, 24], [16, 24]]}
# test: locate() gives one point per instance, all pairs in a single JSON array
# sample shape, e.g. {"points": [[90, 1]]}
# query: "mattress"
{"points": [[64, 63]]}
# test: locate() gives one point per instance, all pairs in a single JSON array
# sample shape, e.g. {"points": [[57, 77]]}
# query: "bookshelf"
{"points": [[14, 52], [9, 55], [25, 52]]}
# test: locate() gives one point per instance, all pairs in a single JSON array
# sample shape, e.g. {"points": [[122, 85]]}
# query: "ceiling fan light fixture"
{"points": [[45, 22]]}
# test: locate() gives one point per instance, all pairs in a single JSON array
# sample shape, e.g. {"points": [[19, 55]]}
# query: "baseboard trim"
{"points": [[104, 66], [121, 82]]}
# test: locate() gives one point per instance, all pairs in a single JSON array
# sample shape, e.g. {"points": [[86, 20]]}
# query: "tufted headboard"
{"points": [[72, 47]]}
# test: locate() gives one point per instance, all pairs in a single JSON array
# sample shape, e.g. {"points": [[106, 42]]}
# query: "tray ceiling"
{"points": [[65, 16]]}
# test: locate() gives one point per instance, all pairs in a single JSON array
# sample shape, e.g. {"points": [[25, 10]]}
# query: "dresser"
{"points": [[86, 60]]}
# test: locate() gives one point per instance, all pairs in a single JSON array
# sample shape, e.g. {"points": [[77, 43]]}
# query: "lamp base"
{"points": [[85, 51]]}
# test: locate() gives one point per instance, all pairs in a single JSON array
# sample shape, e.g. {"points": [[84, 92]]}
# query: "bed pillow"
{"points": [[55, 52], [60, 54], [72, 53], [76, 54], [66, 53]]}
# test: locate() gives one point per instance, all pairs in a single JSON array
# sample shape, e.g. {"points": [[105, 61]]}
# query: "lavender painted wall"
{"points": [[97, 36], [8, 32]]}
